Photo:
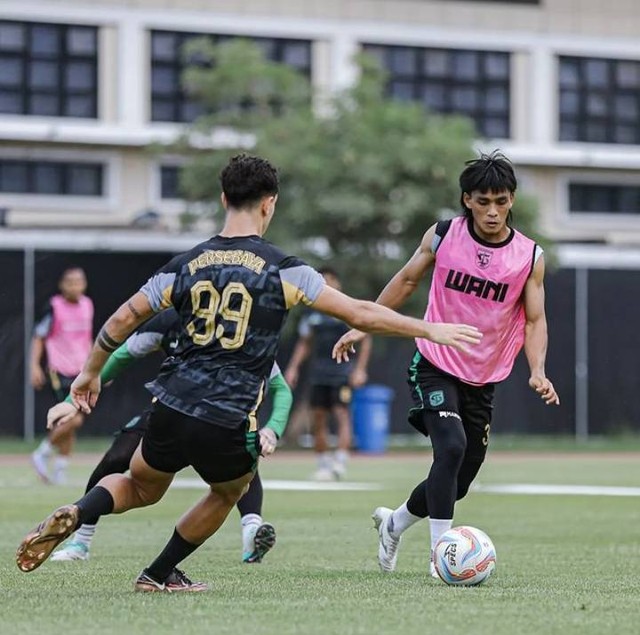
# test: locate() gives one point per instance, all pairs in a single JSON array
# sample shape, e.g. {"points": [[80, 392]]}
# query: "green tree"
{"points": [[360, 183]]}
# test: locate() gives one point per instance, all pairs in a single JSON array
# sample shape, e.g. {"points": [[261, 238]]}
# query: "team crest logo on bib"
{"points": [[483, 258], [436, 398]]}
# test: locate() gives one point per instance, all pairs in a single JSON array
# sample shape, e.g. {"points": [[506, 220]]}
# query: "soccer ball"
{"points": [[464, 556]]}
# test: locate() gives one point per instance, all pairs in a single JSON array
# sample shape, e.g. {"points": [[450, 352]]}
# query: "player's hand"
{"points": [[460, 336], [358, 378], [268, 441], [38, 379], [84, 391], [60, 414], [543, 386], [346, 345]]}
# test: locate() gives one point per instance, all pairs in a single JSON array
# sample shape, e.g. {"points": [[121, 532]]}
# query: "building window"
{"points": [[596, 198], [51, 178], [471, 83], [169, 100], [170, 181], [48, 69], [599, 100]]}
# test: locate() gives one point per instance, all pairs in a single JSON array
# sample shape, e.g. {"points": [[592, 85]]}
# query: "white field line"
{"points": [[298, 486], [562, 490]]}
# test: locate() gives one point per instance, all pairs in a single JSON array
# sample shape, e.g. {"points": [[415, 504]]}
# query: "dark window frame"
{"points": [[584, 197], [177, 101], [170, 182], [578, 118], [65, 169], [447, 86], [26, 95]]}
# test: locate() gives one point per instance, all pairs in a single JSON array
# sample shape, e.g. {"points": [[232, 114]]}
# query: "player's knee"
{"points": [[148, 495], [448, 438], [230, 496]]}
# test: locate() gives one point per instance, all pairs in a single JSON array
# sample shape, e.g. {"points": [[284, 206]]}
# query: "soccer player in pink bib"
{"points": [[487, 274], [64, 334]]}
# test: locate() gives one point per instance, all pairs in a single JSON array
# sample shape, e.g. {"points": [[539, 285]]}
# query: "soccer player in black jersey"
{"points": [[331, 383], [161, 332], [232, 293]]}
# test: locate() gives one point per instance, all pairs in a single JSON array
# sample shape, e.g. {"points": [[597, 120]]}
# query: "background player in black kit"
{"points": [[161, 332], [232, 293], [330, 383]]}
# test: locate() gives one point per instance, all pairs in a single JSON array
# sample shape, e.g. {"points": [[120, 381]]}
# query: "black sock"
{"points": [[95, 503], [175, 551], [251, 502]]}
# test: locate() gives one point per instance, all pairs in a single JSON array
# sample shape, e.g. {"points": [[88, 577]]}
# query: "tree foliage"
{"points": [[360, 183]]}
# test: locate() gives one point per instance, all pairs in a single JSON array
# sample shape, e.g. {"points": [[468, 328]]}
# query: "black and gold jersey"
{"points": [[160, 333], [232, 296]]}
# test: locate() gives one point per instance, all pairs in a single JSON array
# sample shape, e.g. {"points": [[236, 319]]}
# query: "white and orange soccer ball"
{"points": [[464, 556]]}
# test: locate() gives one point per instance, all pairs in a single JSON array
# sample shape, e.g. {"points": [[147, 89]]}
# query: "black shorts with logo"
{"points": [[436, 393], [327, 397], [174, 441], [138, 425]]}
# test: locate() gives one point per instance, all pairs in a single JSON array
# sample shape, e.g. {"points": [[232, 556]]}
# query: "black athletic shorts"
{"points": [[436, 393], [328, 396], [174, 441], [59, 384], [137, 425]]}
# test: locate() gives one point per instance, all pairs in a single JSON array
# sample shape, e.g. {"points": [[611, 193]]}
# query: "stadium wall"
{"points": [[594, 368]]}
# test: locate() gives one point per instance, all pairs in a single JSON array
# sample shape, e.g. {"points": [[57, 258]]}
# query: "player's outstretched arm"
{"points": [[86, 386], [398, 290], [375, 318], [535, 341], [64, 411]]}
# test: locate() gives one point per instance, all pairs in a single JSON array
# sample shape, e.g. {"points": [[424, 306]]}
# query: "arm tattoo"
{"points": [[133, 309], [106, 342]]}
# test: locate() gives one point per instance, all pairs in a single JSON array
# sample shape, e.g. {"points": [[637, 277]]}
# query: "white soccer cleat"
{"points": [[323, 474], [388, 544], [339, 471], [71, 551], [432, 570]]}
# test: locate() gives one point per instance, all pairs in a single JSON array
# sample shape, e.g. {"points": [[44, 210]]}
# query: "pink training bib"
{"points": [[481, 284]]}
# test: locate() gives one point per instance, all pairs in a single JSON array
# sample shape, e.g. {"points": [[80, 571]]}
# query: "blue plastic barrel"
{"points": [[371, 414]]}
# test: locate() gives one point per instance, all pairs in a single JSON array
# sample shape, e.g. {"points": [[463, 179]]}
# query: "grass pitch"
{"points": [[566, 564]]}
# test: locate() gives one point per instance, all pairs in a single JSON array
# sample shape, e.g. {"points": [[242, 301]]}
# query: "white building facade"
{"points": [[85, 87]]}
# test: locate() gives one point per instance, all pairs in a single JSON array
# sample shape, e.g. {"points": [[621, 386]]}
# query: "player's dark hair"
{"points": [[489, 173], [67, 270], [246, 179], [329, 271]]}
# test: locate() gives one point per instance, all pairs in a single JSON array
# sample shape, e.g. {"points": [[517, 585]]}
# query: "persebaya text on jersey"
{"points": [[231, 257]]}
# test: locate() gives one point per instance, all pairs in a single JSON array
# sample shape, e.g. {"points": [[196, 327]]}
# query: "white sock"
{"points": [[45, 449], [438, 527], [249, 522], [324, 460], [401, 520], [251, 519], [84, 534], [341, 457], [60, 465]]}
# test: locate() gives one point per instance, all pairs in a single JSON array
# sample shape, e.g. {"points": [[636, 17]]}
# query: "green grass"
{"points": [[566, 564], [404, 442]]}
